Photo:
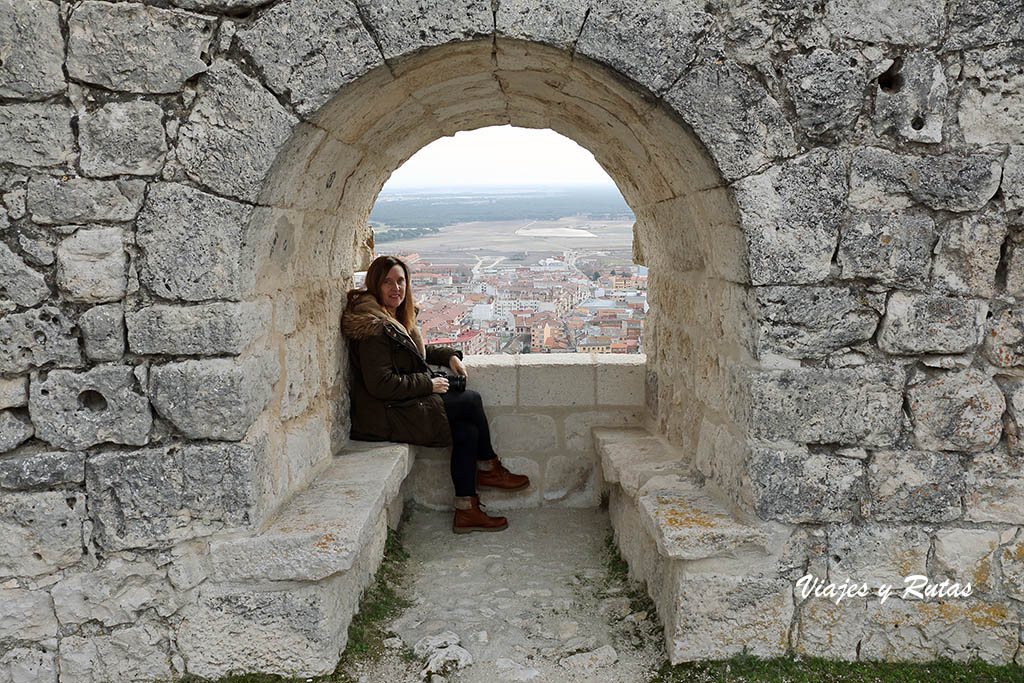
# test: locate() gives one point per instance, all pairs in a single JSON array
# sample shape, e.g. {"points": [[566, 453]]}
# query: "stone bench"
{"points": [[709, 569], [280, 601]]}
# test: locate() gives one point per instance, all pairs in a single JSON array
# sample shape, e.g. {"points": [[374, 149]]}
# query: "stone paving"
{"points": [[534, 602]]}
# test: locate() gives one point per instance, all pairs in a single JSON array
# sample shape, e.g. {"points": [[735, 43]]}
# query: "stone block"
{"points": [[910, 101], [15, 429], [13, 392], [63, 200], [993, 96], [827, 89], [25, 664], [632, 457], [577, 426], [967, 555], [620, 379], [893, 249], [956, 411], [156, 497], [118, 593], [824, 629], [791, 218], [960, 629], [216, 398], [303, 377], [309, 50], [31, 469], [42, 532], [556, 380], [306, 445], [136, 48], [1013, 180], [974, 24], [716, 617], [26, 615], [967, 254], [855, 406], [36, 135], [1004, 339], [571, 481], [74, 411], [875, 554], [34, 50], [794, 486], [995, 488], [920, 22], [103, 332], [812, 322], [495, 378], [948, 182], [921, 323], [208, 329], [20, 283], [406, 26], [523, 433], [908, 486], [35, 338], [122, 138], [234, 133], [92, 265], [430, 484], [183, 263], [551, 23], [740, 124], [137, 653]]}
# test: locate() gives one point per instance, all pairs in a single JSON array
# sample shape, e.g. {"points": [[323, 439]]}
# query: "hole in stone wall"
{"points": [[92, 400], [917, 123], [37, 556], [40, 337], [892, 80]]}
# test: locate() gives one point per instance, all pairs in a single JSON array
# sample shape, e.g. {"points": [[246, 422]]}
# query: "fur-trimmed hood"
{"points": [[364, 317]]}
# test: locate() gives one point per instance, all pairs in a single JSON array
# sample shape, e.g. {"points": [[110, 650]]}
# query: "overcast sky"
{"points": [[500, 155]]}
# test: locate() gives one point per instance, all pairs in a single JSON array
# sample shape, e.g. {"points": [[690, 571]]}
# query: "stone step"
{"points": [[321, 530]]}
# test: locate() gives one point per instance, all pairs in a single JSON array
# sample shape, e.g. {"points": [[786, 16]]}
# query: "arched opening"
{"points": [[307, 243]]}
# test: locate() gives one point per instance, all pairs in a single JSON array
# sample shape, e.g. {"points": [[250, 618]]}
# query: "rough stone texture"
{"points": [[614, 29], [571, 481], [921, 323], [180, 262], [137, 48], [1013, 181], [103, 331], [196, 330], [53, 200], [13, 392], [117, 594], [302, 374], [408, 25], [964, 555], [737, 120], [18, 282], [44, 469], [307, 50], [967, 254], [234, 133], [827, 89], [138, 653], [846, 406], [948, 182], [911, 101], [920, 22], [791, 218], [74, 411], [220, 5], [794, 486], [812, 322], [523, 433], [214, 399], [1013, 420], [41, 532], [1011, 559], [26, 615], [155, 497], [36, 134], [1004, 338], [35, 338], [122, 137], [991, 105], [956, 411], [92, 265], [550, 23], [909, 486], [25, 664], [15, 428], [995, 488], [982, 22], [33, 50], [876, 554]]}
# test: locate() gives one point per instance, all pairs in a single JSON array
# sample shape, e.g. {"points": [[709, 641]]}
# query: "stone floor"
{"points": [[533, 602]]}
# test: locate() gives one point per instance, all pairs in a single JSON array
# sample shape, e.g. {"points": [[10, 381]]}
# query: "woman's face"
{"points": [[392, 289]]}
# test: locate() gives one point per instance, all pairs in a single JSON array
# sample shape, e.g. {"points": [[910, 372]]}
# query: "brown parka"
{"points": [[392, 392]]}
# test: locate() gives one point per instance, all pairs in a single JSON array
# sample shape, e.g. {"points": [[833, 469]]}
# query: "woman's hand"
{"points": [[440, 385], [457, 367]]}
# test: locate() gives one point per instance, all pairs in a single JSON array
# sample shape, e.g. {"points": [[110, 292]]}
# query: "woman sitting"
{"points": [[395, 398]]}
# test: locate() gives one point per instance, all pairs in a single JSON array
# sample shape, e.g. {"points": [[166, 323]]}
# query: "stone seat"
{"points": [[288, 593]]}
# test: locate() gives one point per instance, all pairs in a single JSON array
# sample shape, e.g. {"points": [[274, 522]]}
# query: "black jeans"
{"points": [[471, 438]]}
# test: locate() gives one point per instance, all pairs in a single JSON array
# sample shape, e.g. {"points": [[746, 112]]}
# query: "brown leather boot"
{"points": [[500, 478], [469, 517]]}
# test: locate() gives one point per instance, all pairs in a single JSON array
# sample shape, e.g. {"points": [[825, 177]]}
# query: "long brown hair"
{"points": [[375, 274]]}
